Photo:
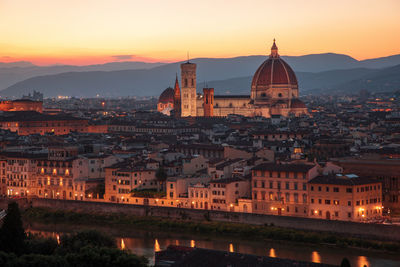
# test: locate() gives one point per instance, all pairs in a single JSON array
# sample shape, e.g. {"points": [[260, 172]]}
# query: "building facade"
{"points": [[274, 91]]}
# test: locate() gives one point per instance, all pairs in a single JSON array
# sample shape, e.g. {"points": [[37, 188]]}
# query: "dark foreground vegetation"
{"points": [[88, 248], [206, 227]]}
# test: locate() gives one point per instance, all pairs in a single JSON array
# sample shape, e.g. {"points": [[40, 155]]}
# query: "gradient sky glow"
{"points": [[93, 31]]}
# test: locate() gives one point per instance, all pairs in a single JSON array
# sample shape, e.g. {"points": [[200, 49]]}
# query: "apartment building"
{"points": [[345, 197], [281, 189]]}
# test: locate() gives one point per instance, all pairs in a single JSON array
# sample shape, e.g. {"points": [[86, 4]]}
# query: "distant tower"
{"points": [[177, 98], [188, 83], [208, 98]]}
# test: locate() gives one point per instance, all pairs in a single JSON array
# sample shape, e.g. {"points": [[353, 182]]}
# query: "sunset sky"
{"points": [[97, 31]]}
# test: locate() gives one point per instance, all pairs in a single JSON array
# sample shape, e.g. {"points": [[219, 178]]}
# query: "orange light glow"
{"points": [[156, 246], [315, 257], [127, 30], [272, 253]]}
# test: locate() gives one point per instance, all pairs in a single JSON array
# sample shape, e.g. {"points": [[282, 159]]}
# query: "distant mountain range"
{"points": [[316, 73], [11, 73]]}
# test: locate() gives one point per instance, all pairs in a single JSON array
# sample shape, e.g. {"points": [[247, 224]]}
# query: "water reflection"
{"points": [[272, 253], [315, 257], [146, 243], [156, 246], [362, 261]]}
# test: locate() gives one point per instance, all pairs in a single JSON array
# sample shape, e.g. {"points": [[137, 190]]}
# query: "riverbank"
{"points": [[206, 227]]}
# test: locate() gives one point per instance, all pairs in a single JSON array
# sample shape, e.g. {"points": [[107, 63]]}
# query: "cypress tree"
{"points": [[12, 233]]}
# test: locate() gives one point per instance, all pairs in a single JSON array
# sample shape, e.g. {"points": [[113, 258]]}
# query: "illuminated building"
{"points": [[274, 91], [281, 189], [30, 122], [21, 105], [345, 197]]}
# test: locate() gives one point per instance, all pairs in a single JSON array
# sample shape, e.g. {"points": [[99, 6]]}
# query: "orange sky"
{"points": [[94, 31]]}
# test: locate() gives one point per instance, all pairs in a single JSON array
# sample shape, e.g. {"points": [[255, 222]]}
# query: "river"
{"points": [[145, 243]]}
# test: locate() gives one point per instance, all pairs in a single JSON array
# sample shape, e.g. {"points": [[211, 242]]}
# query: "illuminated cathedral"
{"points": [[274, 91]]}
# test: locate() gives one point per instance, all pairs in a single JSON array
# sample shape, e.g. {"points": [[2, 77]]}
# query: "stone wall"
{"points": [[372, 231]]}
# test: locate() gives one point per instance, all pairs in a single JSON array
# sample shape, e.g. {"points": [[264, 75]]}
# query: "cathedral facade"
{"points": [[274, 91]]}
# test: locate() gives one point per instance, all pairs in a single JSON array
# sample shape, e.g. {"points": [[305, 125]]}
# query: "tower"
{"points": [[208, 98], [177, 98], [188, 83]]}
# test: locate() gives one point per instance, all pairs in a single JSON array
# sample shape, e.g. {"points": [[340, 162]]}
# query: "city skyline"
{"points": [[95, 32]]}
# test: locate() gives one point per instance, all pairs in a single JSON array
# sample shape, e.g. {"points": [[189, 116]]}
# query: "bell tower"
{"points": [[188, 95]]}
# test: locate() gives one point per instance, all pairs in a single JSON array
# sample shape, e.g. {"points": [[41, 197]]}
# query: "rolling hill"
{"points": [[227, 75]]}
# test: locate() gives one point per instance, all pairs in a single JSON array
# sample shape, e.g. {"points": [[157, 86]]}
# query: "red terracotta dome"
{"points": [[167, 96], [297, 103], [274, 70]]}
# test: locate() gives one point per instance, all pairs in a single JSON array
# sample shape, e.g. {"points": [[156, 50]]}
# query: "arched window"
{"points": [[186, 82]]}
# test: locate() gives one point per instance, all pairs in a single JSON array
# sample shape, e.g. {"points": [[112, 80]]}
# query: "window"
{"points": [[348, 203], [312, 201], [327, 189], [295, 186], [287, 185], [336, 202], [304, 186], [327, 201], [319, 188], [336, 189], [349, 190]]}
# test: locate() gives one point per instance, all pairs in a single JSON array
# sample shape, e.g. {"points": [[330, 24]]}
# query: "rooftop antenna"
{"points": [[187, 56]]}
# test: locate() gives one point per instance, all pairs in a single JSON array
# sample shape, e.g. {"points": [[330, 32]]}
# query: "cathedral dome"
{"points": [[167, 96], [273, 71], [297, 103]]}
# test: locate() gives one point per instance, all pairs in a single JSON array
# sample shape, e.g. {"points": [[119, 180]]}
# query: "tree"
{"points": [[345, 263], [12, 233]]}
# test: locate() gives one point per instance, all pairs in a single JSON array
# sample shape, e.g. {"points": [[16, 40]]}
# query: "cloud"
{"points": [[123, 57]]}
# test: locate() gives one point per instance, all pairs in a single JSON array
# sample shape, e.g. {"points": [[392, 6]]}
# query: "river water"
{"points": [[145, 243]]}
